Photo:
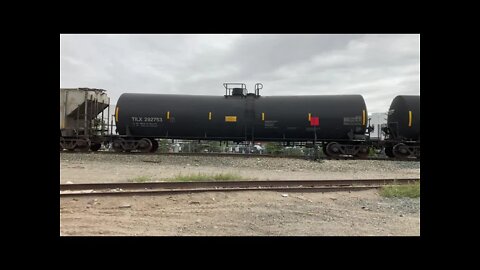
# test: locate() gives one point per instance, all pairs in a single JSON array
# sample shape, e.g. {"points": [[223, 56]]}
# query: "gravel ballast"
{"points": [[96, 167]]}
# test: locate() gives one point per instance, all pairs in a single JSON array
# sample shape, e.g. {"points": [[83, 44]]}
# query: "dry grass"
{"points": [[140, 179], [206, 177], [410, 191]]}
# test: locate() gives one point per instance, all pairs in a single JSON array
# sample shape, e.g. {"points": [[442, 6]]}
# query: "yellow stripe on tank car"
{"points": [[309, 116], [263, 116], [209, 115], [230, 119], [409, 118], [116, 114], [168, 115], [364, 118]]}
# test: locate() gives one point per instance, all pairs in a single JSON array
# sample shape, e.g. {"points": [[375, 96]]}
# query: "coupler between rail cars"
{"points": [[128, 144], [335, 149]]}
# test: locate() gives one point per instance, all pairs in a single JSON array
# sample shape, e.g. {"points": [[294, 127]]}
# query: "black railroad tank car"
{"points": [[243, 116], [275, 118], [403, 127]]}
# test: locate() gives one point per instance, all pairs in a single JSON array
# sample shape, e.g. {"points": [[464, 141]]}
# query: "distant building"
{"points": [[377, 120]]}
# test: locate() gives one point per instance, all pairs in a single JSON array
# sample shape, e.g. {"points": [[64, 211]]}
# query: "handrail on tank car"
{"points": [[228, 89], [258, 86]]}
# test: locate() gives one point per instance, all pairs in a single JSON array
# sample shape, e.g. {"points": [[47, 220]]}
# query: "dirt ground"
{"points": [[361, 213], [259, 213]]}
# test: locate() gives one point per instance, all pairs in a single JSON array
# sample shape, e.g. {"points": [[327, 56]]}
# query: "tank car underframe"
{"points": [[239, 139]]}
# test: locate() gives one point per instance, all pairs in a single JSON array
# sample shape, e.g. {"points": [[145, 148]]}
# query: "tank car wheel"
{"points": [[154, 146], [363, 152], [324, 149], [389, 152], [400, 151], [145, 145], [333, 149], [95, 146], [117, 145], [83, 145]]}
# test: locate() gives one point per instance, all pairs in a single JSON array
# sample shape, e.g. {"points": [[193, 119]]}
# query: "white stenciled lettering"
{"points": [[153, 119], [137, 119]]}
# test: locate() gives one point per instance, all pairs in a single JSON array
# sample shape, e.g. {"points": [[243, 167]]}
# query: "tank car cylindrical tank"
{"points": [[242, 117], [404, 118], [403, 127]]}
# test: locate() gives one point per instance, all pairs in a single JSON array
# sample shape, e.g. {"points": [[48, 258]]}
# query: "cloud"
{"points": [[379, 67]]}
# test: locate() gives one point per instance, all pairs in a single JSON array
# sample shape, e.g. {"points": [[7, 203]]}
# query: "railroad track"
{"points": [[246, 155], [151, 188]]}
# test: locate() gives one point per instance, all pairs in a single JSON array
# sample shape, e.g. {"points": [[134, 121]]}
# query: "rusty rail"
{"points": [[149, 188]]}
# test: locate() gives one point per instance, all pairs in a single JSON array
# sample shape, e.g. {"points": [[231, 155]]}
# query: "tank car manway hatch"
{"points": [[240, 90], [82, 120]]}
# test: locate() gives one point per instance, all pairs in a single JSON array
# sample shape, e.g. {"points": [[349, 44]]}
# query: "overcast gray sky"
{"points": [[379, 67]]}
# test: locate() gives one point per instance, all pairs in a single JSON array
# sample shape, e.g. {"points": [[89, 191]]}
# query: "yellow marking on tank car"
{"points": [[309, 117], [168, 115], [409, 118], [363, 118], [230, 119], [116, 114], [263, 116], [209, 115]]}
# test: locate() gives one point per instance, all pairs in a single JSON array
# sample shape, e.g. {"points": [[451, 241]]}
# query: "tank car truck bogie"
{"points": [[128, 144], [336, 149], [403, 150], [81, 144]]}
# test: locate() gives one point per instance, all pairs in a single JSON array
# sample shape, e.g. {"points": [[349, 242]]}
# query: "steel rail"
{"points": [[177, 191], [272, 185], [236, 184]]}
